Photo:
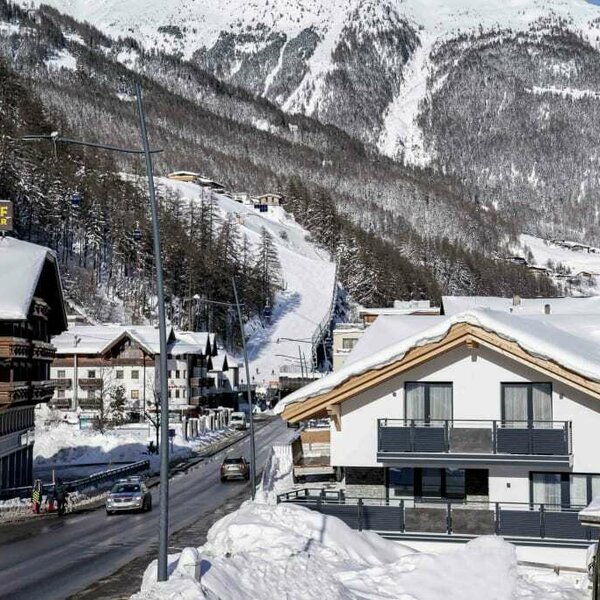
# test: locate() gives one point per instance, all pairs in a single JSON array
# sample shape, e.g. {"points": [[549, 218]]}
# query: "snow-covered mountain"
{"points": [[363, 65]]}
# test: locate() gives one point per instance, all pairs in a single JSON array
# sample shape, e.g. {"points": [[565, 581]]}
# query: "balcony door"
{"points": [[527, 404], [428, 403]]}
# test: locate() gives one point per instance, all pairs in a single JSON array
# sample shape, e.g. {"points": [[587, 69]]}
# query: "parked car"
{"points": [[235, 468], [129, 495], [238, 420]]}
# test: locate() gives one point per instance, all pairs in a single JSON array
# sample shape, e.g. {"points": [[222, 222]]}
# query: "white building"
{"points": [[346, 335], [496, 413], [93, 361]]}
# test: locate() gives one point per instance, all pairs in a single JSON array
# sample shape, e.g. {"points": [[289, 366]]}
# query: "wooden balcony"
{"points": [[14, 347], [202, 382], [42, 350], [42, 391], [90, 403], [62, 383], [63, 403], [90, 383], [14, 392]]}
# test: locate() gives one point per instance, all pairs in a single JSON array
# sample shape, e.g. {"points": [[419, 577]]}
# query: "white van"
{"points": [[238, 420]]}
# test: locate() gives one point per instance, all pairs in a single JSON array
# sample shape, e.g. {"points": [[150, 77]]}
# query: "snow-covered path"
{"points": [[309, 284]]}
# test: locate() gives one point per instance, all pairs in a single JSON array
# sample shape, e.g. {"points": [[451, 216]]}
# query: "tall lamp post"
{"points": [[55, 138], [238, 307]]}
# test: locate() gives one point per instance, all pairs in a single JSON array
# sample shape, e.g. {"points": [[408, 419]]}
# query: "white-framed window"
{"points": [[348, 343], [135, 394], [60, 374], [135, 374], [120, 374]]}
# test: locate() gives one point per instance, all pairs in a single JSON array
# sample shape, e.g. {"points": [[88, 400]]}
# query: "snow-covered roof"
{"points": [[97, 339], [563, 306], [387, 330], [572, 341], [190, 342], [429, 310], [21, 265]]}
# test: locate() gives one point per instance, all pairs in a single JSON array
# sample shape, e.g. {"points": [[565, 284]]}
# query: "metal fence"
{"points": [[84, 482], [432, 516]]}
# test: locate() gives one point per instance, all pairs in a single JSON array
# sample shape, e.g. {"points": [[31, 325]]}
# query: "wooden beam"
{"points": [[335, 414]]}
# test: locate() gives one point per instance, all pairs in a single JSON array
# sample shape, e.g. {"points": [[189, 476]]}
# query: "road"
{"points": [[55, 558]]}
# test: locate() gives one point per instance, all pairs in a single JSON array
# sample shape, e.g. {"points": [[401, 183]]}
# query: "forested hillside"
{"points": [[400, 232]]}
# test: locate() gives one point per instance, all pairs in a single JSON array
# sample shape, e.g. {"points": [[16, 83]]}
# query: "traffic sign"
{"points": [[6, 215]]}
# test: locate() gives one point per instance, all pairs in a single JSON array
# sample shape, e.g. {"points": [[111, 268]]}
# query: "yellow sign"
{"points": [[6, 215]]}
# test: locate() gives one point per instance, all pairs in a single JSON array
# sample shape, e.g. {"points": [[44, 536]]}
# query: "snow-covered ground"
{"points": [[65, 444], [288, 551], [544, 250], [309, 282]]}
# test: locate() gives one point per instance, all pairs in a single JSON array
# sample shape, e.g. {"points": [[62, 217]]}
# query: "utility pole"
{"points": [[55, 138], [248, 392], [163, 528]]}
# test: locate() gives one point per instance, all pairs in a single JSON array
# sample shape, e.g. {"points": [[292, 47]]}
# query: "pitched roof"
{"points": [[453, 305], [22, 265], [97, 339], [567, 345]]}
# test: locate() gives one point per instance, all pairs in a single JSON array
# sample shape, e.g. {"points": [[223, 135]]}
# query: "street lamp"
{"points": [[238, 306], [55, 138]]}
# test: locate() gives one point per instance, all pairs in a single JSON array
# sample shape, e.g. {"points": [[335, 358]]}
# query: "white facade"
{"points": [[345, 337], [476, 376]]}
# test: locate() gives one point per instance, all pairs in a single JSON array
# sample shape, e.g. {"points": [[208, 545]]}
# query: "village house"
{"points": [[484, 421], [31, 311], [346, 335], [92, 362]]}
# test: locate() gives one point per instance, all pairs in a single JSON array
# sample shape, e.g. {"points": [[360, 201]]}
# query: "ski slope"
{"points": [[309, 284]]}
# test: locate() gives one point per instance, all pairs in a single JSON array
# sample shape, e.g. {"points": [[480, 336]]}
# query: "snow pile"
{"points": [[291, 552], [278, 474], [64, 444]]}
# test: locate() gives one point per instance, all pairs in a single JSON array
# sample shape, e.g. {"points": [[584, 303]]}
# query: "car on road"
{"points": [[129, 495], [235, 468], [238, 420]]}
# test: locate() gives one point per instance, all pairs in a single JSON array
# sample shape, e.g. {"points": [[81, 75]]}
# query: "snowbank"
{"points": [[288, 551], [64, 444]]}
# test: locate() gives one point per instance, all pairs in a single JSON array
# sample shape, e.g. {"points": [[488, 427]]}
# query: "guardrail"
{"points": [[84, 482], [448, 517], [323, 326]]}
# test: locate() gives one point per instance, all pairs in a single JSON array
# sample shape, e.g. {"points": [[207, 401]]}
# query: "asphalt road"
{"points": [[55, 558]]}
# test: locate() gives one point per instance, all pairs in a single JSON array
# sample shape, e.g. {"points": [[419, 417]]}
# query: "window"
{"points": [[176, 393], [427, 402], [60, 393], [527, 403], [547, 488], [119, 374], [401, 481], [91, 374], [185, 374], [348, 343], [574, 490], [60, 374], [135, 394], [177, 374], [135, 374]]}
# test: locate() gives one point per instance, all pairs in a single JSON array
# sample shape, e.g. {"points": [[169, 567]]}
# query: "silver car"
{"points": [[127, 495]]}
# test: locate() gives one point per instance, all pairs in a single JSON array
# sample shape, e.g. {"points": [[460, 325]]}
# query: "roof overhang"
{"points": [[460, 334]]}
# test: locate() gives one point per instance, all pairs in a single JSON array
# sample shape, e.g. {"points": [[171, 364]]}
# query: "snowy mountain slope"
{"points": [[342, 61], [309, 283]]}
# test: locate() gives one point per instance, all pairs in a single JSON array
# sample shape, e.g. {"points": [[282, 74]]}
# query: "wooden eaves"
{"points": [[472, 336]]}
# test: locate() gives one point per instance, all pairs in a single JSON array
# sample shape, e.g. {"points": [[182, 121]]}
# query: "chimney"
{"points": [[547, 309], [516, 300]]}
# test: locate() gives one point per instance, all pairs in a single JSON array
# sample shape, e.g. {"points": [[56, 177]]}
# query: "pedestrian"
{"points": [[36, 496], [60, 496]]}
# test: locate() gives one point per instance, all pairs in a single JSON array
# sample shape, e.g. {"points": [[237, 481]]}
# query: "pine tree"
{"points": [[267, 268]]}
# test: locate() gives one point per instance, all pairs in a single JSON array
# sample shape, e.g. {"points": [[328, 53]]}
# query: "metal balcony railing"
{"points": [[442, 517], [532, 438]]}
